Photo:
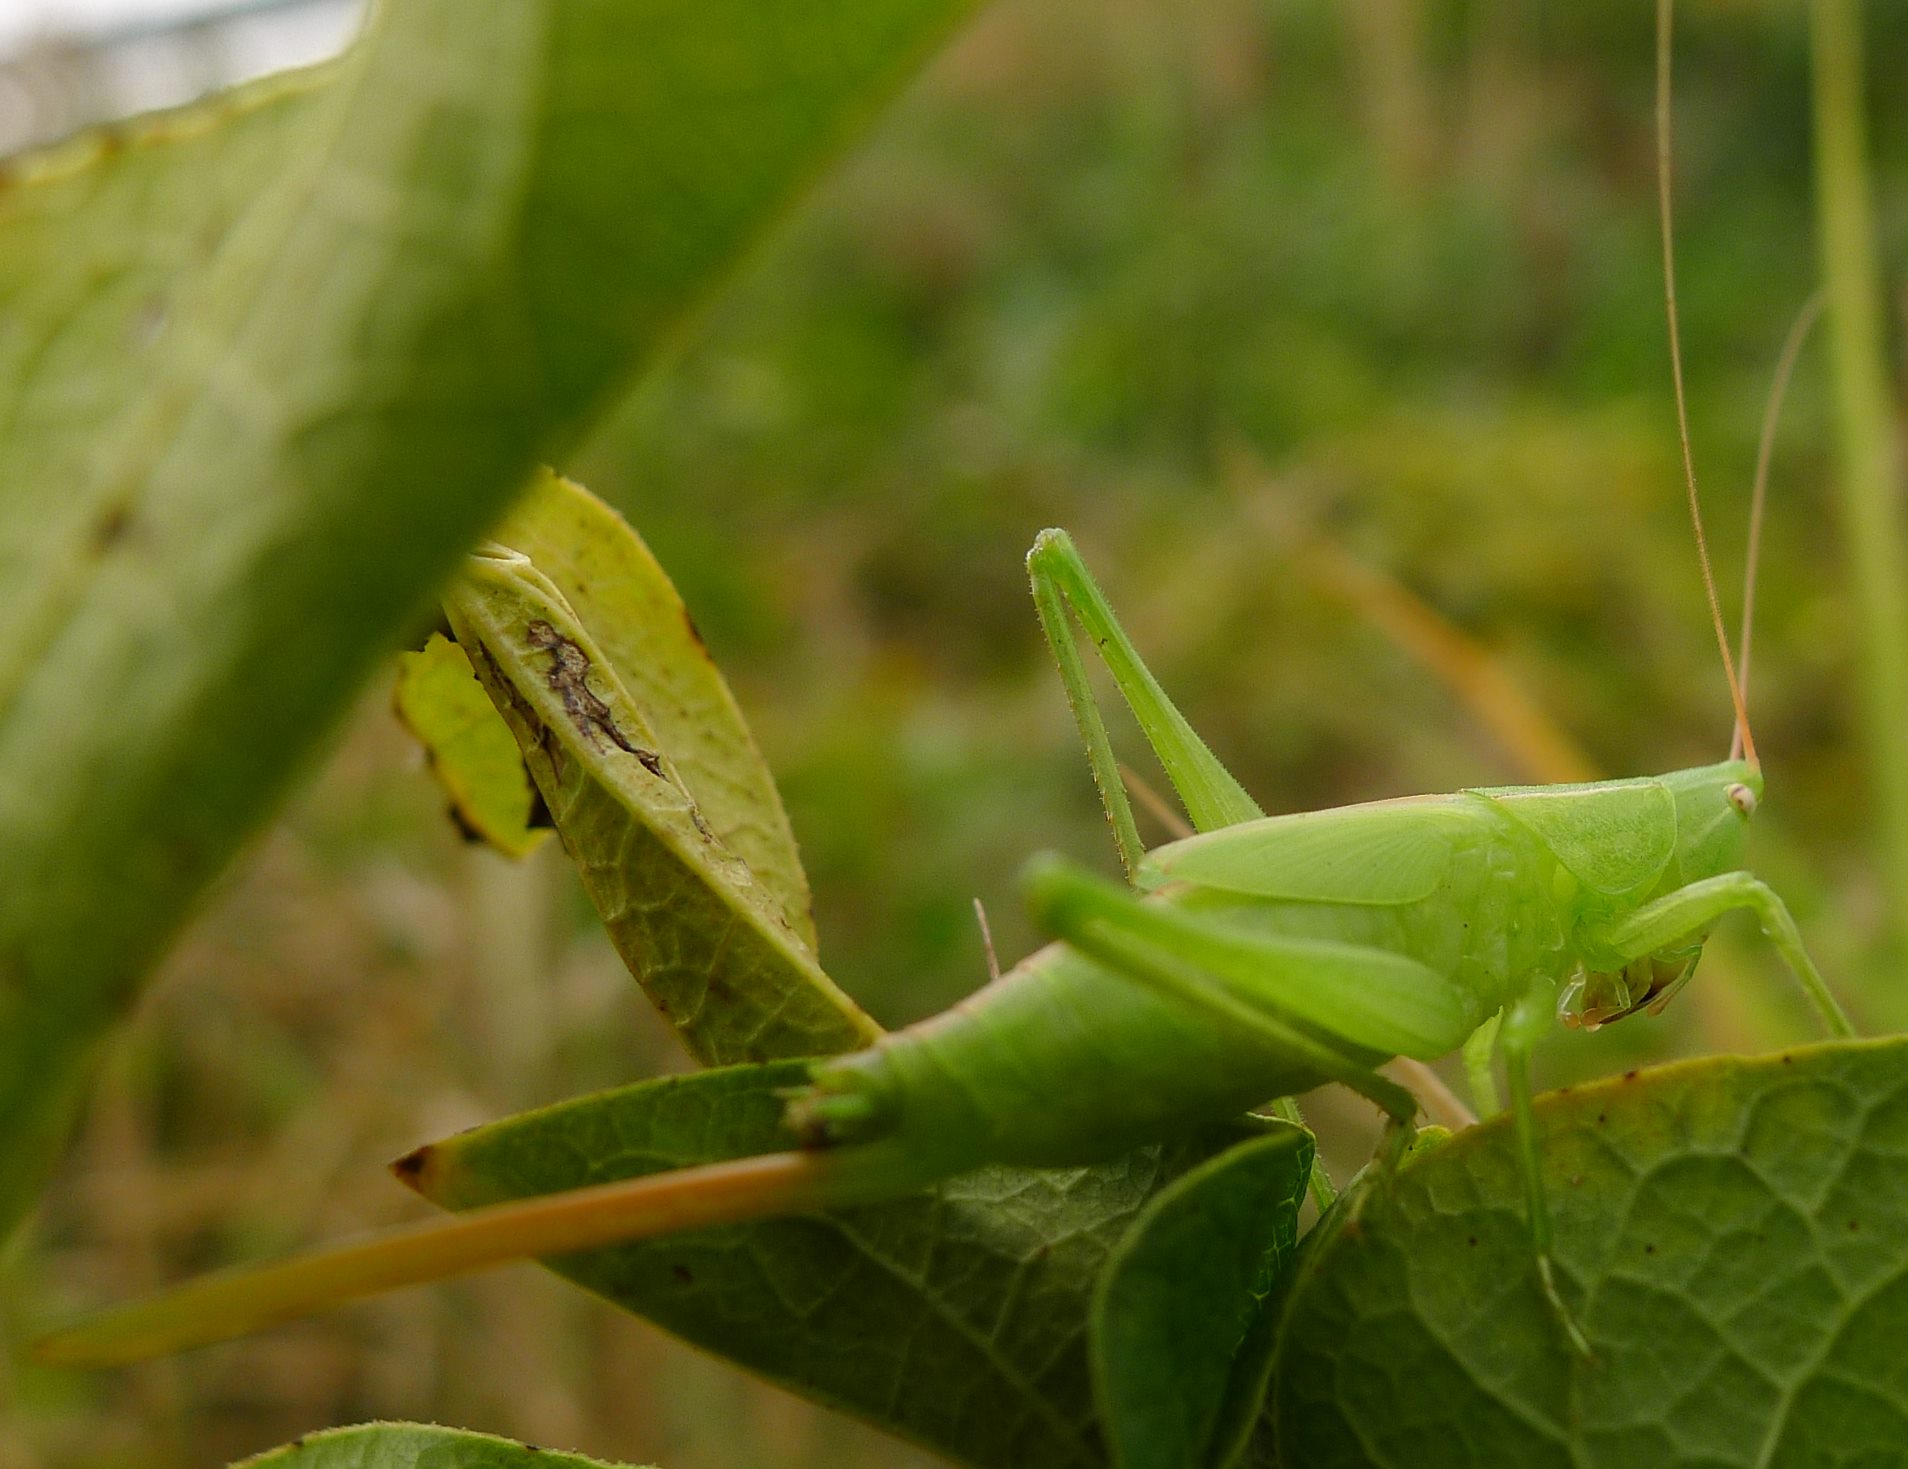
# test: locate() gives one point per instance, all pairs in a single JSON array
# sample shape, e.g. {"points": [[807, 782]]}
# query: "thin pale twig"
{"points": [[1156, 805], [987, 940], [1440, 1103], [1538, 744]]}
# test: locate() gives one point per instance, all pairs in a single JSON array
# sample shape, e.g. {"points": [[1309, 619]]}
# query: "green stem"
{"points": [[1870, 467]]}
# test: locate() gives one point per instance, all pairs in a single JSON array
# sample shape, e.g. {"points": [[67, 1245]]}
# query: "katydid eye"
{"points": [[1742, 798]]}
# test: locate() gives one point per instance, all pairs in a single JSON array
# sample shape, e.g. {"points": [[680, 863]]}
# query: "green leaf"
{"points": [[712, 946], [268, 366], [1732, 1233], [957, 1318], [412, 1446], [599, 563], [470, 749], [1183, 1318]]}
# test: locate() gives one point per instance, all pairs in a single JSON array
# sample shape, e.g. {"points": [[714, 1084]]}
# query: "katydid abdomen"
{"points": [[1058, 1062]]}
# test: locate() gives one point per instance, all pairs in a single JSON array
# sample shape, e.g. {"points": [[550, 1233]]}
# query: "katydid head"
{"points": [[1713, 807]]}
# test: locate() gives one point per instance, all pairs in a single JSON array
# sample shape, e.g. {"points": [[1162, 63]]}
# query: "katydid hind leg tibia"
{"points": [[1212, 796]]}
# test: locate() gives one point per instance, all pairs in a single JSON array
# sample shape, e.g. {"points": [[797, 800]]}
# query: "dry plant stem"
{"points": [[217, 1307], [1870, 464], [1539, 746], [1157, 806], [1442, 1105], [987, 940]]}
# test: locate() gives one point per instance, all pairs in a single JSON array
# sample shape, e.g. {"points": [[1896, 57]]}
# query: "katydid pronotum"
{"points": [[1258, 958]]}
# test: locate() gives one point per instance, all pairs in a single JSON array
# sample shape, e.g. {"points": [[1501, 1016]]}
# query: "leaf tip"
{"points": [[415, 1168]]}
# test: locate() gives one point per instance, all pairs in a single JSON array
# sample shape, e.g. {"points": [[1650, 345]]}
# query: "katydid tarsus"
{"points": [[1256, 959]]}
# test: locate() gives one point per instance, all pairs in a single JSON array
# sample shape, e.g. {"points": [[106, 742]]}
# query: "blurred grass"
{"points": [[1195, 280]]}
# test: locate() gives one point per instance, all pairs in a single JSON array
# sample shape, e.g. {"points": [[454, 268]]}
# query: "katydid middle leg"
{"points": [[1523, 1024]]}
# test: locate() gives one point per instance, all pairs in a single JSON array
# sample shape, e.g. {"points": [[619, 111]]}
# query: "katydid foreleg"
{"points": [[1693, 909]]}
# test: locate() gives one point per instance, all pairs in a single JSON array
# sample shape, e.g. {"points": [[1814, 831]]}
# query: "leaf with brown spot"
{"points": [[709, 940], [596, 559]]}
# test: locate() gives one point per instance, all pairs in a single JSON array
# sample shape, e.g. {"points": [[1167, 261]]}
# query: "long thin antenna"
{"points": [[1765, 451], [1744, 741]]}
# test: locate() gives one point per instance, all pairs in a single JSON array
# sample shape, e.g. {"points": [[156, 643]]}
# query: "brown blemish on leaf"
{"points": [[569, 680], [415, 1166], [695, 633]]}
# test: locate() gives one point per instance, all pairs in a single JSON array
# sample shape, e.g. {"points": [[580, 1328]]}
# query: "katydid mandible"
{"points": [[1256, 959]]}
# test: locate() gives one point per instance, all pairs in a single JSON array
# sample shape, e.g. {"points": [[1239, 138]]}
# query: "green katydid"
{"points": [[1267, 955], [1258, 958]]}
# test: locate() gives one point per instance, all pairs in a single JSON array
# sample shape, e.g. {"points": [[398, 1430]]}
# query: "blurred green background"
{"points": [[1243, 294]]}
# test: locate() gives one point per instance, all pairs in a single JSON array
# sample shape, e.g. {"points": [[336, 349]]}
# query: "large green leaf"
{"points": [[957, 1318], [1732, 1233], [712, 944], [269, 366], [1184, 1317], [412, 1446]]}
